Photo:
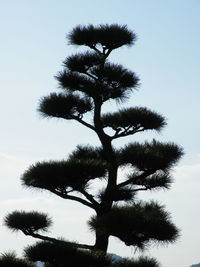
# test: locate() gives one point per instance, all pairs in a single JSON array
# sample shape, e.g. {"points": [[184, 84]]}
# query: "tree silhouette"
{"points": [[87, 82]]}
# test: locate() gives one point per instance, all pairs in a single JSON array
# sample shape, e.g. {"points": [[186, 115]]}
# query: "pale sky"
{"points": [[167, 59]]}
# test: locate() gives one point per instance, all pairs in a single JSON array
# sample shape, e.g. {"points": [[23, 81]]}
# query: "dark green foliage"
{"points": [[113, 82], [116, 82], [87, 152], [82, 62], [131, 119], [11, 260], [137, 225], [115, 76], [28, 222], [61, 175], [119, 194], [72, 82], [151, 156], [109, 36], [154, 181], [61, 255], [48, 252], [64, 106], [141, 262]]}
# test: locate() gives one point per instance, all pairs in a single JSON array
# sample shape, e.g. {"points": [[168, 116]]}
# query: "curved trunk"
{"points": [[101, 242]]}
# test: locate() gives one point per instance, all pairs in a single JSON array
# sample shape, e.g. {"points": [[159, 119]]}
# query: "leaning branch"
{"points": [[95, 49], [131, 180], [125, 133], [83, 122], [90, 198], [77, 199], [54, 240]]}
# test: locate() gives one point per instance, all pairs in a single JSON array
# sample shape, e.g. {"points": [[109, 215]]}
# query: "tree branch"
{"points": [[95, 49], [141, 176], [108, 52], [54, 240], [90, 198], [70, 197], [91, 76], [126, 133], [141, 189], [83, 122]]}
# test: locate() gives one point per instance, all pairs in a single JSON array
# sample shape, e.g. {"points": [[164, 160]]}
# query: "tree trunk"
{"points": [[101, 241]]}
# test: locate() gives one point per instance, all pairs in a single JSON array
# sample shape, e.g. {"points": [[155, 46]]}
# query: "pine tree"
{"points": [[87, 82]]}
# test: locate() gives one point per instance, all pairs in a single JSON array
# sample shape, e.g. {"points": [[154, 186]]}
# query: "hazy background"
{"points": [[167, 59]]}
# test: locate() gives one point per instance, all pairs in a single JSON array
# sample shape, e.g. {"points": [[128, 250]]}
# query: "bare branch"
{"points": [[83, 122], [91, 76], [108, 52], [54, 240], [131, 180], [95, 49], [126, 133], [90, 198], [70, 197], [141, 189]]}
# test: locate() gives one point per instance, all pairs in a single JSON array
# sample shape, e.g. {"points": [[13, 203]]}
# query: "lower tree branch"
{"points": [[54, 240]]}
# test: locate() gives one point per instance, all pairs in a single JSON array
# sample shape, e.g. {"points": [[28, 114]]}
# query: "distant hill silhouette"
{"points": [[195, 265]]}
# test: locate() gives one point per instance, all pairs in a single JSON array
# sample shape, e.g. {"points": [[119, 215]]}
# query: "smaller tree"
{"points": [[88, 81]]}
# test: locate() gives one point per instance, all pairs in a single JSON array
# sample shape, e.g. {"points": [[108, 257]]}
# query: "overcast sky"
{"points": [[167, 59]]}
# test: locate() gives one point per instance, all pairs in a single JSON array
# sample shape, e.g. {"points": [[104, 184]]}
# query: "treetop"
{"points": [[108, 36]]}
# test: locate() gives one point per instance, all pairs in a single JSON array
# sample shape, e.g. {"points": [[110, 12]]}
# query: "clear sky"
{"points": [[167, 59]]}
